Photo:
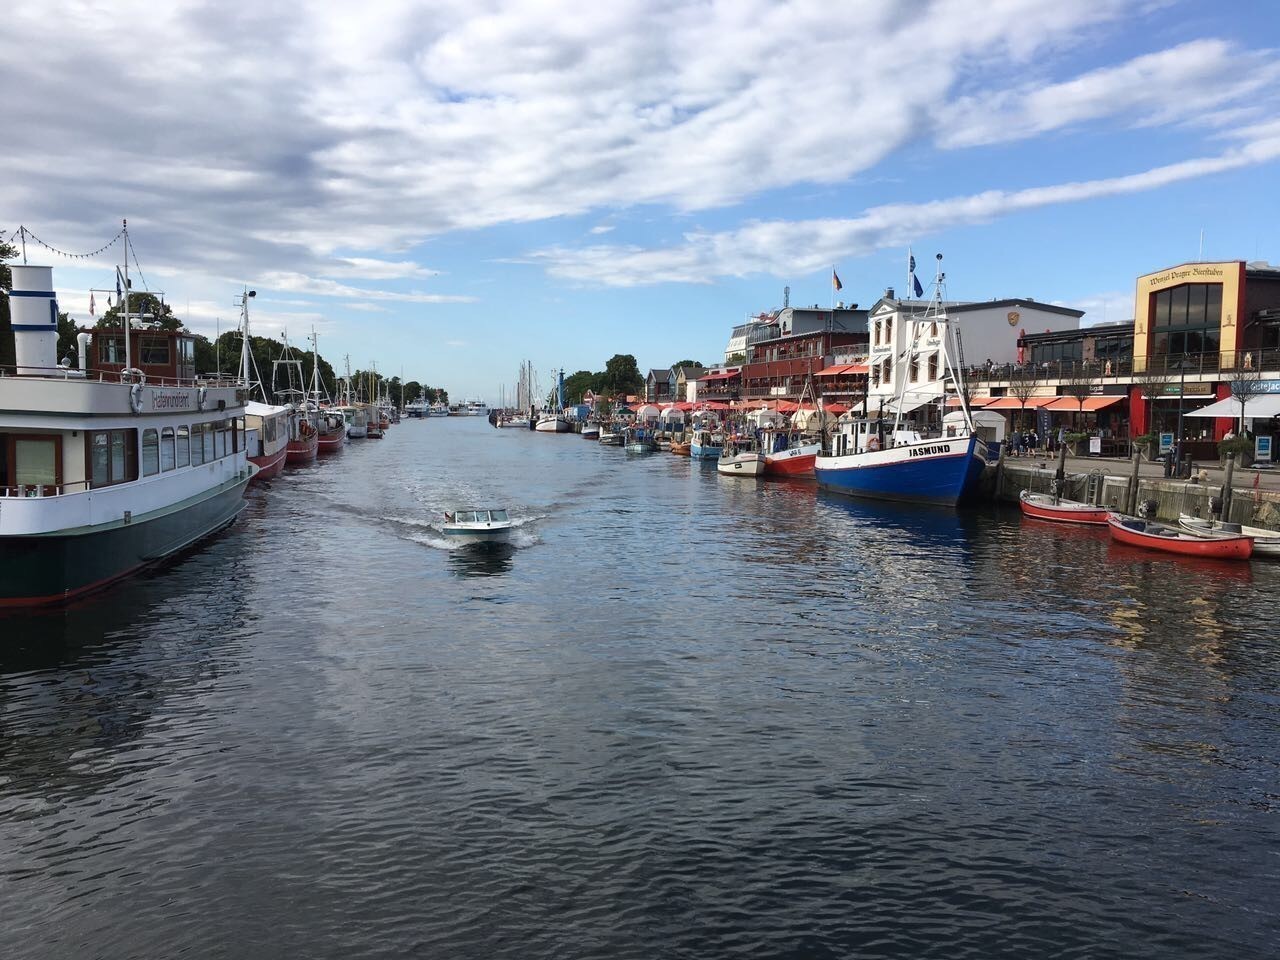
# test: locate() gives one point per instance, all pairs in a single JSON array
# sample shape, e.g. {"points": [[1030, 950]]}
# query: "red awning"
{"points": [[787, 406], [836, 408], [1013, 403], [712, 405], [973, 401], [841, 369], [719, 376], [1072, 405]]}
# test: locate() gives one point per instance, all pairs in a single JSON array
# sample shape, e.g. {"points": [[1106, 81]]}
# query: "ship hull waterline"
{"points": [[269, 465], [54, 568]]}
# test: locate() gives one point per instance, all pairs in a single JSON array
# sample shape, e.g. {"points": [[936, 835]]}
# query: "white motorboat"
{"points": [[478, 526], [741, 458], [1266, 543], [591, 431]]}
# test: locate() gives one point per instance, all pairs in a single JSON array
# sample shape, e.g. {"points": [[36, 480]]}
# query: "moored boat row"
{"points": [[107, 468]]}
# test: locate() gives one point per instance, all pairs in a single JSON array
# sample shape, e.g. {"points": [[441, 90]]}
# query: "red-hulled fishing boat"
{"points": [[332, 432], [1157, 536], [1042, 506], [304, 439], [789, 454], [266, 438]]}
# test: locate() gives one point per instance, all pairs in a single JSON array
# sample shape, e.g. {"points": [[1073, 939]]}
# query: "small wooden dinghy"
{"points": [[1042, 506], [1157, 536]]}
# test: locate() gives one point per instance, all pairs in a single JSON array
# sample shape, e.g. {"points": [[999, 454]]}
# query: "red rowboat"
{"points": [[1157, 536], [1041, 506]]}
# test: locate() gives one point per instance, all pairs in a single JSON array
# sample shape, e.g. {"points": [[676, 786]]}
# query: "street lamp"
{"points": [[1182, 390]]}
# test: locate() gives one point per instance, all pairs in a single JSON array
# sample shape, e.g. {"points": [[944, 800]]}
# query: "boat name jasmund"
{"points": [[170, 401], [929, 451]]}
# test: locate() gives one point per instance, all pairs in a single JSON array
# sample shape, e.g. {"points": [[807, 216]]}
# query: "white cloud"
{"points": [[1113, 306], [366, 307], [789, 247], [1188, 83], [306, 146], [297, 137], [322, 287]]}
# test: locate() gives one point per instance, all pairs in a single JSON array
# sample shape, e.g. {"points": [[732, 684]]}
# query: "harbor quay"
{"points": [[1114, 483]]}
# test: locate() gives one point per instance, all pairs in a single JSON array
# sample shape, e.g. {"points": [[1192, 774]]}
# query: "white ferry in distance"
{"points": [[112, 466]]}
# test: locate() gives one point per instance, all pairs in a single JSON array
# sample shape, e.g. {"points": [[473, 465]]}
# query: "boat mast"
{"points": [[247, 362]]}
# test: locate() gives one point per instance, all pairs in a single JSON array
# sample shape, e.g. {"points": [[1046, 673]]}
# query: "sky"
{"points": [[448, 188]]}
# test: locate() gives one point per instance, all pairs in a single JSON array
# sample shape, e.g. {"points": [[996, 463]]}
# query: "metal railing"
{"points": [[43, 491], [1260, 362], [118, 376]]}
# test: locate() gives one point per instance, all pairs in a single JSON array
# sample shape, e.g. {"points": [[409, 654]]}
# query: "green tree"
{"points": [[412, 391], [622, 375], [687, 363], [146, 304], [736, 360], [67, 345], [578, 384]]}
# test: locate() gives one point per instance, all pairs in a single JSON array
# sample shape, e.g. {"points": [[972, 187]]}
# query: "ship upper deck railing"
{"points": [[43, 491], [70, 374]]}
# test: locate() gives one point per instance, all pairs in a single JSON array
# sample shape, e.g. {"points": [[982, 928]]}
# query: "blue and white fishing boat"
{"points": [[894, 460], [706, 444]]}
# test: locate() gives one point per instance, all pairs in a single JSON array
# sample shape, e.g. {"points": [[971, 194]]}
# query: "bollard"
{"points": [[1131, 495], [1226, 488]]}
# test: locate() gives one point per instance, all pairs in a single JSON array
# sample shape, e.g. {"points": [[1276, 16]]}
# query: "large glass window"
{"points": [[150, 452], [154, 351], [166, 449], [184, 446], [206, 437], [1186, 319], [35, 462], [112, 456]]}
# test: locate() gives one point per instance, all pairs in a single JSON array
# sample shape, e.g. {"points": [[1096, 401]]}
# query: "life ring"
{"points": [[873, 443], [135, 398]]}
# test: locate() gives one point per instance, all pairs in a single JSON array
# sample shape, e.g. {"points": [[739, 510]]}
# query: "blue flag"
{"points": [[915, 282]]}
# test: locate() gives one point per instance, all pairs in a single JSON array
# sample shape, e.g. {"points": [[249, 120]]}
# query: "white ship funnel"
{"points": [[33, 314]]}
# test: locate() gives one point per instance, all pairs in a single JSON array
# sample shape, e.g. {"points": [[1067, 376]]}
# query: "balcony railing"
{"points": [[119, 376], [1122, 368]]}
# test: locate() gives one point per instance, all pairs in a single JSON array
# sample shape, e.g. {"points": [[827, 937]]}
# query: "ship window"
{"points": [[167, 460], [933, 367], [154, 351], [119, 454], [150, 452], [915, 369], [184, 446], [36, 465], [112, 456], [206, 438], [237, 435], [197, 444], [111, 349]]}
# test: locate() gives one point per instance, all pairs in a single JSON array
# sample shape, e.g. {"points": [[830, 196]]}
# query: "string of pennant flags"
{"points": [[26, 234]]}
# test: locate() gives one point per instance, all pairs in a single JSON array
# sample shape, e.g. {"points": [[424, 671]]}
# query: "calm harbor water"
{"points": [[683, 716]]}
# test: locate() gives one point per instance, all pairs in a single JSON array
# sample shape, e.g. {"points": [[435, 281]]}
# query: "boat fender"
{"points": [[200, 395], [135, 398], [1147, 509]]}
